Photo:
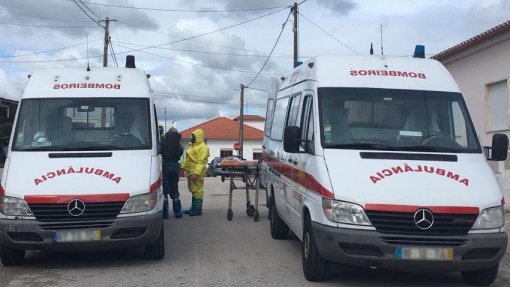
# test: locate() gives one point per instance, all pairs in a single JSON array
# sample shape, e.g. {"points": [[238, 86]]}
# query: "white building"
{"points": [[222, 133], [481, 67]]}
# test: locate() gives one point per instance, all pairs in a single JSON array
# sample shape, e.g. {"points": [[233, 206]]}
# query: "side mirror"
{"points": [[499, 148], [291, 139]]}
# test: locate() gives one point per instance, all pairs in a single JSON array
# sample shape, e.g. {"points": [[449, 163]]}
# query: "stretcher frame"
{"points": [[247, 172]]}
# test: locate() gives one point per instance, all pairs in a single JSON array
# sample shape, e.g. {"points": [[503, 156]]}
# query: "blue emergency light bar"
{"points": [[419, 51]]}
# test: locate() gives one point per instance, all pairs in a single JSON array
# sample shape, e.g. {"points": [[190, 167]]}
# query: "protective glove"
{"points": [[194, 177]]}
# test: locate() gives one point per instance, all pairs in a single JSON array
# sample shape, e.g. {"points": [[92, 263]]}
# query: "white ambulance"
{"points": [[82, 171], [374, 161]]}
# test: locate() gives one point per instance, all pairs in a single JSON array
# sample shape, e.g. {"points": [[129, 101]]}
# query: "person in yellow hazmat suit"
{"points": [[195, 166]]}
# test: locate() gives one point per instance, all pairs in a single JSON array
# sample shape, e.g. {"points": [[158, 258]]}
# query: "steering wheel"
{"points": [[439, 139]]}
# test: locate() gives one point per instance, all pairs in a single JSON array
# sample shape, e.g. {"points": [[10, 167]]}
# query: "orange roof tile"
{"points": [[222, 128], [473, 42]]}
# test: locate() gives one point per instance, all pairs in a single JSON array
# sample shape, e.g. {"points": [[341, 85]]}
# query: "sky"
{"points": [[199, 52]]}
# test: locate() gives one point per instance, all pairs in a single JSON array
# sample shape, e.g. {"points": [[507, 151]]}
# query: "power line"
{"points": [[49, 51], [113, 54], [90, 10], [269, 56], [183, 10], [85, 12], [194, 40], [43, 18], [191, 63], [197, 98], [324, 31], [46, 26], [205, 52], [210, 32]]}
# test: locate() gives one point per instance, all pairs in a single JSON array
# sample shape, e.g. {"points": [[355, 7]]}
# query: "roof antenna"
{"points": [[371, 49], [88, 64], [382, 51]]}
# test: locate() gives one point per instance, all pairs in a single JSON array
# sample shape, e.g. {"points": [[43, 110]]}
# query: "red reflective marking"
{"points": [[299, 176], [2, 190], [155, 185], [87, 198], [414, 208]]}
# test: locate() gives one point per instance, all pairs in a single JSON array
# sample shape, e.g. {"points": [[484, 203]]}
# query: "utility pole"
{"points": [[106, 41], [241, 122], [294, 29]]}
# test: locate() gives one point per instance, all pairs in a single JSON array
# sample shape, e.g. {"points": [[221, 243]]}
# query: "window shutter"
{"points": [[498, 94]]}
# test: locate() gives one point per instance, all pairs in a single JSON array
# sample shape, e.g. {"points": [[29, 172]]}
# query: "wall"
{"points": [[473, 72], [216, 145]]}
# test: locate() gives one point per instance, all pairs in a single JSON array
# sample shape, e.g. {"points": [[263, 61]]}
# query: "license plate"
{"points": [[76, 235], [424, 253]]}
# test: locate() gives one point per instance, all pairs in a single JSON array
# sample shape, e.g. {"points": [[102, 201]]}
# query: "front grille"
{"points": [[426, 241], [75, 225], [58, 213], [403, 223]]}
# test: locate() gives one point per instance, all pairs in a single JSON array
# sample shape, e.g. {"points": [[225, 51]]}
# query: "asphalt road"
{"points": [[210, 251]]}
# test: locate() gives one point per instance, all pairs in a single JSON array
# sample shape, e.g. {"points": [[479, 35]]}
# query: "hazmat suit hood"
{"points": [[199, 136]]}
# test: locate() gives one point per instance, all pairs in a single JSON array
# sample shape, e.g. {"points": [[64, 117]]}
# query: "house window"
{"points": [[257, 154], [498, 106], [225, 152]]}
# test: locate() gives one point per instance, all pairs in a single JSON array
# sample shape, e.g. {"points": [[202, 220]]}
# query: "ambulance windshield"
{"points": [[383, 119], [68, 124]]}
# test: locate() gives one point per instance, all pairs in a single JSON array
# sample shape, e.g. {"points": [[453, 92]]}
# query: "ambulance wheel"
{"points": [[482, 277], [256, 216], [315, 267], [279, 229], [230, 214], [156, 250], [11, 256]]}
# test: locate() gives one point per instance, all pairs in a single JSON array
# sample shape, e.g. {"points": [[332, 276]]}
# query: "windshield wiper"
{"points": [[427, 148], [363, 146], [47, 148]]}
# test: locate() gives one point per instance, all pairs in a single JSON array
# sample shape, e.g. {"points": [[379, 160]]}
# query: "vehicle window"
{"points": [[83, 124], [307, 123], [269, 117], [385, 119], [294, 110], [279, 118]]}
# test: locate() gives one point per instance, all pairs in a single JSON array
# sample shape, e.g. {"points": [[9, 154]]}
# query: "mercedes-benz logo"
{"points": [[423, 219], [76, 207]]}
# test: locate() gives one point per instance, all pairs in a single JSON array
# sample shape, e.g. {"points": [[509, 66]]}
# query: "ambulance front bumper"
{"points": [[124, 232], [377, 250]]}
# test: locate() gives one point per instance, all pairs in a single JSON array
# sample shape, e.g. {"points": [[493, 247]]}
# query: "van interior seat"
{"points": [[59, 129]]}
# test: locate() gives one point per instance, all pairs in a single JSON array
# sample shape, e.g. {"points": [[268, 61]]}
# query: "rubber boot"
{"points": [[198, 206], [188, 211], [165, 209], [176, 204]]}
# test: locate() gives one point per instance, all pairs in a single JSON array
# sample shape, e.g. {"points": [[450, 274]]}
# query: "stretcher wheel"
{"points": [[256, 216], [250, 211], [230, 214]]}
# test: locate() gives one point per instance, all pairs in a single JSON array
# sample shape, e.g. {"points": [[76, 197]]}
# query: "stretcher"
{"points": [[247, 172]]}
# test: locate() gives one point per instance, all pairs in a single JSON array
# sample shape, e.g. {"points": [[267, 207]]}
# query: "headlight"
{"points": [[140, 203], [490, 218], [13, 206], [344, 212]]}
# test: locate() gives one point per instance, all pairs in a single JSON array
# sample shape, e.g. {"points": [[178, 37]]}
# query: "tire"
{"points": [[256, 216], [156, 250], [482, 277], [230, 214], [279, 229], [11, 256], [315, 267]]}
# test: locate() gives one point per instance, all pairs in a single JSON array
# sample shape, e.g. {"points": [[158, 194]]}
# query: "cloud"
{"points": [[339, 7], [68, 14]]}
